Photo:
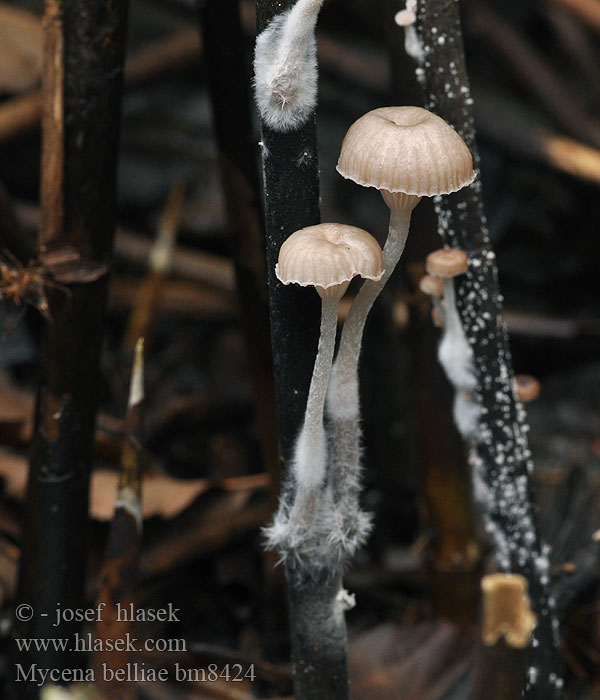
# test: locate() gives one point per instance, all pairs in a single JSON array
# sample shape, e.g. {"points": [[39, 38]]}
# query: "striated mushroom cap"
{"points": [[328, 256], [405, 149], [506, 610], [447, 263]]}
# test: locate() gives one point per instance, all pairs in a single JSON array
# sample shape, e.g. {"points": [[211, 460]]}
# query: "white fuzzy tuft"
{"points": [[345, 599], [342, 396], [466, 414], [412, 44], [406, 18], [455, 353], [455, 356], [285, 67], [310, 459]]}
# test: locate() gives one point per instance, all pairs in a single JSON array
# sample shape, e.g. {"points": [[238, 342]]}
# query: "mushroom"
{"points": [[528, 388], [455, 353], [326, 257], [406, 153], [506, 610], [434, 287]]}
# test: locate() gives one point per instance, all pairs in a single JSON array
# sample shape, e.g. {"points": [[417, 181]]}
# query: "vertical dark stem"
{"points": [[500, 455], [84, 47], [229, 85], [500, 672], [442, 464], [291, 201], [119, 573], [318, 634], [291, 194]]}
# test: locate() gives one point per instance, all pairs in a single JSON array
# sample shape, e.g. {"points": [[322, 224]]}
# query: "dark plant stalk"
{"points": [[500, 453], [291, 193], [500, 672], [83, 63], [228, 81], [119, 573], [454, 558]]}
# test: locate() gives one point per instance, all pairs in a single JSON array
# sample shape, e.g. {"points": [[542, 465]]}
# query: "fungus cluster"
{"points": [[406, 153], [326, 257]]}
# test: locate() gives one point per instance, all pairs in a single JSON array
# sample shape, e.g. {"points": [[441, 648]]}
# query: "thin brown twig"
{"points": [[535, 72], [587, 10], [21, 115], [149, 291]]}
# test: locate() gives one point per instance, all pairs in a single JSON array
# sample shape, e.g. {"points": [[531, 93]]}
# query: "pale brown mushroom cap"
{"points": [[506, 610], [447, 263], [405, 149], [528, 387], [431, 285], [328, 255]]}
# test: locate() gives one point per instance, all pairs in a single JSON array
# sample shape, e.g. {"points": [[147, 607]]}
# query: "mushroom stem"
{"points": [[343, 398], [310, 457], [456, 357], [346, 362]]}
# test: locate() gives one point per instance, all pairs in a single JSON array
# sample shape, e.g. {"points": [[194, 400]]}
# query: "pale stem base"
{"points": [[343, 398]]}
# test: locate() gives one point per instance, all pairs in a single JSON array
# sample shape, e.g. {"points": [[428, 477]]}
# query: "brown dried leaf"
{"points": [[20, 49], [161, 495], [16, 406], [14, 470]]}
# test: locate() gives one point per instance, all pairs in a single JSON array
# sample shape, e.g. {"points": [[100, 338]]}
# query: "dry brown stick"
{"points": [[578, 45], [178, 298], [207, 531], [213, 270], [165, 55], [21, 115], [535, 72], [560, 152], [587, 10], [149, 290], [118, 577], [83, 63], [135, 248]]}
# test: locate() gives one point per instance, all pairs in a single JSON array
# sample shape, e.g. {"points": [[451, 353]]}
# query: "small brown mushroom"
{"points": [[447, 263], [528, 387], [431, 285], [406, 153], [434, 287]]}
